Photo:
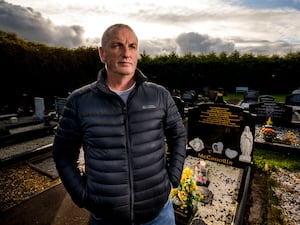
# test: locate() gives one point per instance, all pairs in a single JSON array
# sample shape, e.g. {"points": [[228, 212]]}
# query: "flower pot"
{"points": [[268, 138], [183, 216]]}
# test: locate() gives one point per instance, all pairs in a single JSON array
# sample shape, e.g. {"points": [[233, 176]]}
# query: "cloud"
{"points": [[32, 26], [162, 26], [201, 44], [265, 47], [157, 46]]}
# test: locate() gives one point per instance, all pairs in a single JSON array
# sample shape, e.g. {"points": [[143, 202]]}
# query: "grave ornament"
{"points": [[246, 145], [268, 131]]}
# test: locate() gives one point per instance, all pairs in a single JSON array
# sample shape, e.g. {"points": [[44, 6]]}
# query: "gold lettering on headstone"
{"points": [[215, 159], [219, 116]]}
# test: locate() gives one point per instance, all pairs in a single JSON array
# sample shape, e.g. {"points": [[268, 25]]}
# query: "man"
{"points": [[121, 121]]}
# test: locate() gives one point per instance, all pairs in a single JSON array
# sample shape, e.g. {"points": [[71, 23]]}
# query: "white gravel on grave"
{"points": [[225, 183]]}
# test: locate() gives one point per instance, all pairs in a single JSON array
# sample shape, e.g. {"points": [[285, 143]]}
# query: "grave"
{"points": [[59, 104], [293, 100], [218, 137], [180, 105], [250, 97], [242, 90], [286, 139], [279, 112], [189, 97], [39, 106]]}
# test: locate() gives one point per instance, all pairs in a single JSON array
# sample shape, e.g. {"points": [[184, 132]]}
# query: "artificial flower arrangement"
{"points": [[268, 131], [186, 194]]}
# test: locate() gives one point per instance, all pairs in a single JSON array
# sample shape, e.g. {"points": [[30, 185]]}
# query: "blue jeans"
{"points": [[166, 217]]}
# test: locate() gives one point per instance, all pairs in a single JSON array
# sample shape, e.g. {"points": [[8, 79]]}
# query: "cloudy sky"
{"points": [[163, 26]]}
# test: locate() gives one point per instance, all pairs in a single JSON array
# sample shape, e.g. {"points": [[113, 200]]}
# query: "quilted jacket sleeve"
{"points": [[66, 148], [176, 141]]}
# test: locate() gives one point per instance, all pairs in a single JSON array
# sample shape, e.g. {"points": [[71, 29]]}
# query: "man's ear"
{"points": [[101, 54]]}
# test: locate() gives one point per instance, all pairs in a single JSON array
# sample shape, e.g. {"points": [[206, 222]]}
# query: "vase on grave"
{"points": [[184, 215]]}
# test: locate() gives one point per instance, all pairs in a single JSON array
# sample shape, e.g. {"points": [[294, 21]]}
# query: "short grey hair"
{"points": [[107, 32]]}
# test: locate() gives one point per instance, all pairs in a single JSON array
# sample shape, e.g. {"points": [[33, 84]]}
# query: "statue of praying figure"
{"points": [[246, 144]]}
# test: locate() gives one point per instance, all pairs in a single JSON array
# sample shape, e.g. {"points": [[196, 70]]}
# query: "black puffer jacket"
{"points": [[126, 176]]}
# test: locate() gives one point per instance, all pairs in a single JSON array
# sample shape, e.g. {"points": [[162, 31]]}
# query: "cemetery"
{"points": [[221, 138], [220, 159]]}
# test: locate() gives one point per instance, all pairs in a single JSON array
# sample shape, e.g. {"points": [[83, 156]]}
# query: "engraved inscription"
{"points": [[219, 116]]}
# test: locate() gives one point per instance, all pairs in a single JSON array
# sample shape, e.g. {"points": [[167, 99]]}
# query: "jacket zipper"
{"points": [[128, 144]]}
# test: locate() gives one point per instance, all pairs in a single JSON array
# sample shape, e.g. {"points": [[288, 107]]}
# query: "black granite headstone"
{"points": [[293, 99], [180, 105], [215, 130], [251, 96], [280, 113]]}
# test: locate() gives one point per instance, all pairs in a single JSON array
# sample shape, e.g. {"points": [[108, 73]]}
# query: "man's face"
{"points": [[120, 54]]}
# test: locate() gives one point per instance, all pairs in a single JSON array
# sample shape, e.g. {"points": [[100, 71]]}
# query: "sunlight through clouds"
{"points": [[272, 25]]}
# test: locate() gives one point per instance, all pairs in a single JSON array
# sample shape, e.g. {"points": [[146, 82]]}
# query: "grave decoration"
{"points": [[285, 139], [220, 152], [185, 196], [268, 131]]}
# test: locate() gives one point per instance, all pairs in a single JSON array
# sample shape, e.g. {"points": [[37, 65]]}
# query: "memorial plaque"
{"points": [[218, 133], [279, 112], [266, 98]]}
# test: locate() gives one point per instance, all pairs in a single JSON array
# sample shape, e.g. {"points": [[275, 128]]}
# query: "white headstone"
{"points": [[39, 107]]}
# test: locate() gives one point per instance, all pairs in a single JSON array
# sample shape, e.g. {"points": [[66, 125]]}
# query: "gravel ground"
{"points": [[19, 182]]}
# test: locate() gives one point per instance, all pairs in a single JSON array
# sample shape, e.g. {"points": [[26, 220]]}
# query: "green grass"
{"points": [[278, 97], [265, 160]]}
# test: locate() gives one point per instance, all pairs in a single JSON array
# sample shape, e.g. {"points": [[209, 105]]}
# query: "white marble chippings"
{"points": [[225, 184]]}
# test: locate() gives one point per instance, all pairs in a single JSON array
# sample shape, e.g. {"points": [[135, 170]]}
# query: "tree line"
{"points": [[33, 69]]}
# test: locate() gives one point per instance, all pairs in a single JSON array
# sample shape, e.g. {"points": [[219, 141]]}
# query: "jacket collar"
{"points": [[102, 75]]}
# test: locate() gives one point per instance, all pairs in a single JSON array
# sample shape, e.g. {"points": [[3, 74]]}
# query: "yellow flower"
{"points": [[186, 192]]}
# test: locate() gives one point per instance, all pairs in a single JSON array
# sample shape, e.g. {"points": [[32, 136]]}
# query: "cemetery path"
{"points": [[257, 199]]}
